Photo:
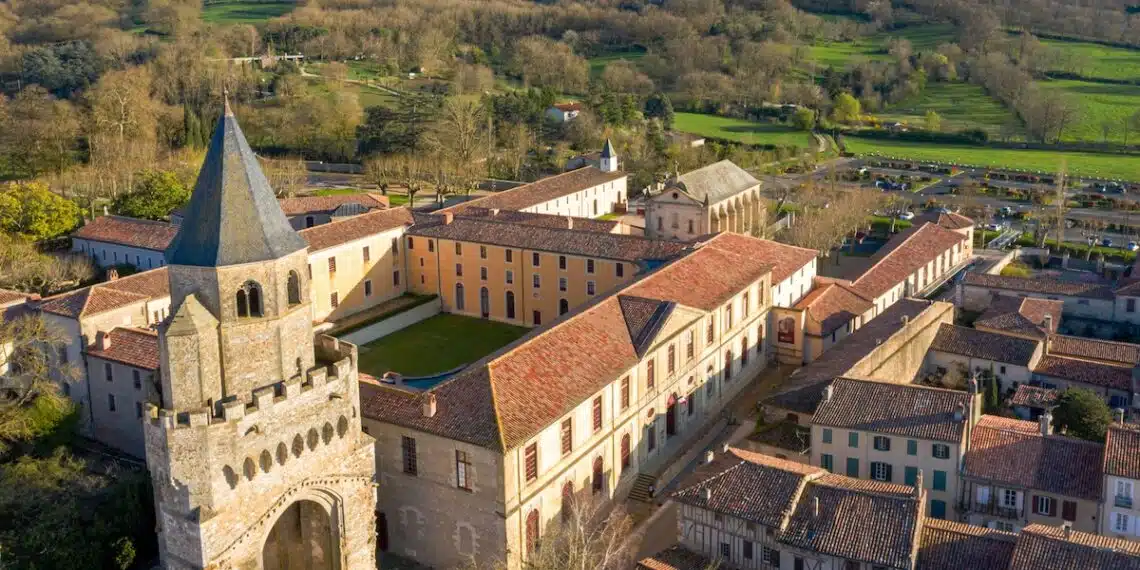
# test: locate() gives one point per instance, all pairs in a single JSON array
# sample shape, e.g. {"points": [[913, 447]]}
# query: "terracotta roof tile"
{"points": [[1122, 353], [1013, 452], [950, 221], [726, 264], [111, 295], [343, 231], [1041, 547], [8, 297], [133, 232], [987, 345], [1087, 371], [133, 347], [535, 193], [833, 305], [785, 259], [1122, 452], [301, 205], [675, 558], [895, 409], [1038, 285], [1021, 315], [572, 242], [1033, 396], [903, 255], [542, 220], [947, 545], [567, 106]]}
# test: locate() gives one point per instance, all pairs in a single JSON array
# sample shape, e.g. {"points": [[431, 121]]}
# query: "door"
{"points": [[382, 531], [510, 305], [671, 418], [484, 302]]}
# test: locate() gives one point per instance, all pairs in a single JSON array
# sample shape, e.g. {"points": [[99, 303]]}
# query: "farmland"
{"points": [[1095, 61], [244, 12], [741, 130], [1099, 104], [598, 63], [925, 37], [961, 106]]}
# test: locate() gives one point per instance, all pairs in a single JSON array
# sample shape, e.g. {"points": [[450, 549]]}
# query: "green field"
{"points": [[925, 37], [245, 12], [436, 345], [741, 130], [1123, 167], [1095, 61], [961, 106], [598, 63], [1098, 103]]}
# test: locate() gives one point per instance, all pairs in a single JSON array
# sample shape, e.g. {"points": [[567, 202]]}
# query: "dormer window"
{"points": [[249, 300]]}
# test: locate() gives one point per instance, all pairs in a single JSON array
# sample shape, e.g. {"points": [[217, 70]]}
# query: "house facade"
{"points": [[1121, 483], [718, 197], [118, 240], [588, 192]]}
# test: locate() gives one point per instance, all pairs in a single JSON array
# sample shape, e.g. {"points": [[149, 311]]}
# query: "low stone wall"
{"points": [[393, 323]]}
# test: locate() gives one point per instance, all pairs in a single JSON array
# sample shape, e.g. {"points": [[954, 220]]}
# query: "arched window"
{"points": [[727, 364], [460, 303], [510, 304], [567, 500], [744, 351], [624, 452], [249, 300], [532, 532], [293, 288], [599, 475]]}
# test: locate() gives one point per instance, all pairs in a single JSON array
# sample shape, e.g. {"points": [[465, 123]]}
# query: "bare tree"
{"points": [[287, 176], [27, 345]]}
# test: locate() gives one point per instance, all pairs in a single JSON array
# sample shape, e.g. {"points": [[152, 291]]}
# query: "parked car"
{"points": [[994, 227], [908, 216], [1133, 246], [1106, 242]]}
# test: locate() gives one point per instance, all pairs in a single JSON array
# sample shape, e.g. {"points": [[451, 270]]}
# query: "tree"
{"points": [[592, 535], [804, 118], [31, 210], [287, 176], [846, 109], [1082, 413], [543, 62], [156, 194], [23, 268], [40, 133], [658, 106], [933, 122]]}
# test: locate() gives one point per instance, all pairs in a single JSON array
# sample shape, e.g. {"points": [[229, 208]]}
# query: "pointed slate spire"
{"points": [[233, 216], [608, 150]]}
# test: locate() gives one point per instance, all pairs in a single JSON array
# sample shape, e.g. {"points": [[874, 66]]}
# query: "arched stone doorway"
{"points": [[301, 539]]}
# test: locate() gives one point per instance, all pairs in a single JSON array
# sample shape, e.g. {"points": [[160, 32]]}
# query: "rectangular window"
{"points": [[367, 256], [853, 439], [690, 344], [562, 283], [367, 287], [589, 287], [650, 374], [534, 259], [1120, 522], [509, 255], [137, 377], [395, 247], [536, 316], [459, 270], [408, 447], [483, 273], [562, 262], [937, 509], [431, 246], [396, 278], [620, 268], [138, 409], [911, 447], [798, 563], [827, 461], [748, 550], [61, 352], [725, 550], [107, 372], [852, 467], [882, 443], [1043, 506], [589, 266], [510, 277], [827, 435], [309, 270], [458, 248], [332, 265], [597, 411], [910, 475], [462, 470], [770, 556], [411, 244], [567, 436], [111, 402], [939, 480], [880, 471], [531, 462], [482, 252], [941, 451], [536, 281], [334, 299], [1009, 498], [710, 331], [1069, 510], [625, 393]]}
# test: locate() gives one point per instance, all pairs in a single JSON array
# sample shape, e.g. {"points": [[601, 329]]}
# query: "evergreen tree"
{"points": [[1083, 414]]}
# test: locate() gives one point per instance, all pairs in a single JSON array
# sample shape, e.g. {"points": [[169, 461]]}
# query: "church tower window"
{"points": [[249, 300]]}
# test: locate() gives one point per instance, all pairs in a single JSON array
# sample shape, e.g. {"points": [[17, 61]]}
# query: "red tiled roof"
{"points": [[675, 558], [1122, 353], [545, 190], [133, 347], [1122, 452], [905, 254], [1038, 285], [542, 220], [567, 106], [976, 343], [111, 295], [785, 259], [1033, 396], [1021, 315], [833, 305], [343, 231], [1042, 547], [1013, 452], [133, 232], [727, 263], [896, 409], [950, 221], [1087, 371], [8, 297], [300, 205], [947, 545]]}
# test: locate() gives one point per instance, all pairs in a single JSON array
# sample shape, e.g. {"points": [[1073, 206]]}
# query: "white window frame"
{"points": [[877, 466], [1117, 519], [1044, 504], [1009, 498], [881, 438]]}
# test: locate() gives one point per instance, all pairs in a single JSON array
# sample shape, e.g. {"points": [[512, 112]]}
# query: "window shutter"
{"points": [[984, 495], [889, 478], [1069, 510], [1036, 500]]}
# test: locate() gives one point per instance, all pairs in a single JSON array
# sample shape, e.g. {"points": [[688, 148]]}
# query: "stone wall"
{"points": [[900, 357], [399, 321]]}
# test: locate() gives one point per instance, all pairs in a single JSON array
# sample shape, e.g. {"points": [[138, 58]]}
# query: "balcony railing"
{"points": [[991, 509], [1123, 502]]}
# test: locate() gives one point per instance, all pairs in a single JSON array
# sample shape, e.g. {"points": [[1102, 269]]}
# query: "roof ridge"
{"points": [[133, 219], [473, 219], [899, 385], [886, 255], [350, 219]]}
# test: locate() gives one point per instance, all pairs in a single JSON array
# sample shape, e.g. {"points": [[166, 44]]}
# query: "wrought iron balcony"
{"points": [[1123, 502]]}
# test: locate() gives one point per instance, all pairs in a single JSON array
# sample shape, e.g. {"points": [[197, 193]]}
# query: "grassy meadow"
{"points": [[741, 130], [961, 106], [1095, 61], [245, 12], [1099, 103]]}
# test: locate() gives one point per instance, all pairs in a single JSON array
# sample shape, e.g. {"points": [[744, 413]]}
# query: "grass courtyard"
{"points": [[436, 345]]}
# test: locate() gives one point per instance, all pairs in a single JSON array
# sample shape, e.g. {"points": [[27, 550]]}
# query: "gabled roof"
{"points": [[1119, 353], [537, 220], [714, 183], [833, 305], [130, 346], [103, 297], [785, 259], [897, 409], [903, 255], [1122, 452], [132, 232], [506, 398], [1021, 315], [1015, 453], [948, 545], [1087, 371], [950, 221], [986, 345], [643, 318], [676, 557], [233, 216], [9, 297], [301, 205], [344, 231], [1033, 397], [1042, 547], [1038, 285], [541, 191]]}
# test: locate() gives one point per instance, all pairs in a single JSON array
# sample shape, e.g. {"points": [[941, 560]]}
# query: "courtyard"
{"points": [[436, 345]]}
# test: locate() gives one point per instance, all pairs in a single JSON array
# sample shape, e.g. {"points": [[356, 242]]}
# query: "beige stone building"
{"points": [[578, 407], [714, 198], [122, 375], [833, 310], [255, 449], [1121, 483], [895, 432], [115, 240], [1017, 473], [915, 262]]}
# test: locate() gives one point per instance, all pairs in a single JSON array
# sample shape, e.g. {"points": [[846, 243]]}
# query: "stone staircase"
{"points": [[640, 489]]}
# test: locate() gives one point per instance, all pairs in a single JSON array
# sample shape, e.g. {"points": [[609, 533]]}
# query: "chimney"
{"points": [[706, 493], [724, 447], [815, 507], [103, 340], [429, 406], [960, 412], [1048, 342], [569, 222], [918, 483], [1067, 527], [112, 274], [494, 212], [709, 456], [972, 385], [1118, 413], [1048, 324], [827, 391], [448, 218], [905, 320], [1046, 423]]}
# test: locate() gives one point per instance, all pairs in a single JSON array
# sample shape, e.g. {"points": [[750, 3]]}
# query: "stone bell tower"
{"points": [[256, 453]]}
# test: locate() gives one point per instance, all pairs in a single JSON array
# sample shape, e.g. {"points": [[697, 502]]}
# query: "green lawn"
{"points": [[598, 63], [245, 12], [436, 345], [1095, 61], [961, 105], [1098, 103], [1124, 167], [740, 130], [925, 37]]}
